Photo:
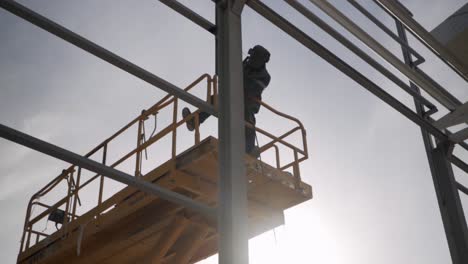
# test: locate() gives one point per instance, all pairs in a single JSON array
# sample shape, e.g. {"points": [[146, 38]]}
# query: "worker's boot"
{"points": [[191, 122]]}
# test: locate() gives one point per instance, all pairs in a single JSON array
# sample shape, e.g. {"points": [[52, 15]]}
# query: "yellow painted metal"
{"points": [[193, 173]]}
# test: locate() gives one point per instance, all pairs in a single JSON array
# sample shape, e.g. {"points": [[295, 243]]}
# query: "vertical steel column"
{"points": [[232, 214], [448, 197]]}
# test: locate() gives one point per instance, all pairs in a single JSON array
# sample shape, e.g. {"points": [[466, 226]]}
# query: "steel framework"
{"points": [[227, 29]]}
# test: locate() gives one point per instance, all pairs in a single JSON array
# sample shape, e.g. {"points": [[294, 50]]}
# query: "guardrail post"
{"points": [[101, 181], [138, 153], [174, 132], [296, 171], [77, 187]]}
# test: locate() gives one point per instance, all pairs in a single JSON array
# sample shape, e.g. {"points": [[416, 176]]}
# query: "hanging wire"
{"points": [[152, 133]]}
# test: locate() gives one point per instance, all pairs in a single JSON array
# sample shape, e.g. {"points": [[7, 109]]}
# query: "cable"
{"points": [[152, 133], [155, 124]]}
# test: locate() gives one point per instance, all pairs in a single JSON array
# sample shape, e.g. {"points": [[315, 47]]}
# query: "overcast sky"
{"points": [[374, 200]]}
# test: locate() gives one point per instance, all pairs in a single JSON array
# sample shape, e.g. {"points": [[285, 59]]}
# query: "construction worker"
{"points": [[256, 79]]}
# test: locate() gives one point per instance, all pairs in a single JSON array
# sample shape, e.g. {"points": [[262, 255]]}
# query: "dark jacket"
{"points": [[255, 81]]}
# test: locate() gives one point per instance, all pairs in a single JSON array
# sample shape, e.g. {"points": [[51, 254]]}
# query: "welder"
{"points": [[256, 79]]}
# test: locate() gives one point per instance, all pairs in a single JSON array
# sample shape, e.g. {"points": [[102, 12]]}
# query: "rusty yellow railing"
{"points": [[73, 175]]}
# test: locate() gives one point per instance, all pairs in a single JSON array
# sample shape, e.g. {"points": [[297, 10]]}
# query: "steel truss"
{"points": [[232, 213]]}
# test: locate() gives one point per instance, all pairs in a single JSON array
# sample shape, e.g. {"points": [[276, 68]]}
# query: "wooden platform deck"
{"points": [[140, 228]]}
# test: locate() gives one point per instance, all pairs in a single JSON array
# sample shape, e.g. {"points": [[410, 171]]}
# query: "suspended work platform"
{"points": [[135, 227]]}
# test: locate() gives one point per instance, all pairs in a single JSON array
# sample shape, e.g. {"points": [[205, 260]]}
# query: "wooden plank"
{"points": [[186, 249], [169, 237], [140, 227]]}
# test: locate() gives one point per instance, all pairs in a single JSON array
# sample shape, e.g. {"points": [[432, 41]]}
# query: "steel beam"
{"points": [[450, 205], [460, 115], [83, 162], [387, 30], [341, 65], [233, 217], [459, 136], [100, 52], [396, 9], [360, 53], [418, 79], [188, 13], [459, 163], [440, 159], [462, 188]]}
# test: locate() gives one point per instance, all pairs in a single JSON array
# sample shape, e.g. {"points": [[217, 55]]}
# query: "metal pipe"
{"points": [[68, 156], [188, 13], [271, 143], [174, 130], [275, 138], [292, 163], [101, 180]]}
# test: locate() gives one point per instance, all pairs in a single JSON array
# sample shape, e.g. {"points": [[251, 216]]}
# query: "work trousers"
{"points": [[250, 135]]}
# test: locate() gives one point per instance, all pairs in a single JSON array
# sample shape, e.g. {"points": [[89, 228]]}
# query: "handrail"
{"points": [[301, 126], [70, 199], [153, 109]]}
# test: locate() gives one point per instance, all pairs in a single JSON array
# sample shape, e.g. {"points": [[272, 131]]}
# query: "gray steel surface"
{"points": [[232, 210], [188, 13], [445, 186]]}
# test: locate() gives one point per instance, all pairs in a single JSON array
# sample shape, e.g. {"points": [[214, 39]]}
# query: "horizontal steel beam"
{"points": [[188, 13], [394, 8], [341, 65], [460, 115], [462, 188], [359, 52], [80, 161], [387, 30], [459, 163], [102, 53], [413, 75]]}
